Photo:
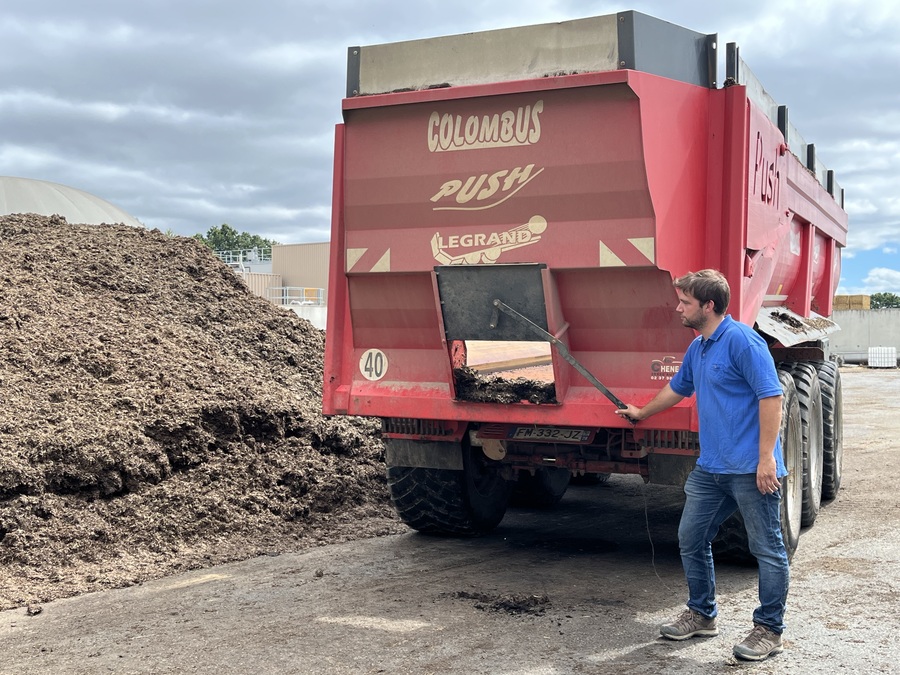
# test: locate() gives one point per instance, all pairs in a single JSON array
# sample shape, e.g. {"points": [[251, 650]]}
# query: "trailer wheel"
{"points": [[450, 502], [731, 542], [832, 427], [542, 489], [809, 393]]}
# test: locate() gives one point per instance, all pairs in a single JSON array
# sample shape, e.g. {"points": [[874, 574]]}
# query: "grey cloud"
{"points": [[191, 113]]}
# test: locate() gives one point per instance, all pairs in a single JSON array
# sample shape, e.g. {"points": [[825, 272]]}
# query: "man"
{"points": [[729, 368]]}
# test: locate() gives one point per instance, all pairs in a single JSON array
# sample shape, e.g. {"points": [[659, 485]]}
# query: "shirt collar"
{"points": [[725, 325]]}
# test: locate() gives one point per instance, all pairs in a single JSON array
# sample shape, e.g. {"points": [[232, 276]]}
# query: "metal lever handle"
{"points": [[500, 306]]}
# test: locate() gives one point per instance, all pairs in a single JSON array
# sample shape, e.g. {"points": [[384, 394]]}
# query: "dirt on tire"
{"points": [[159, 417]]}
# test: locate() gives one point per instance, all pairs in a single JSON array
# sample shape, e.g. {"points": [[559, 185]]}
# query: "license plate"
{"points": [[551, 434]]}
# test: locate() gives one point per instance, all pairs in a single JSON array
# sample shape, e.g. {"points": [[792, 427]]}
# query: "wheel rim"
{"points": [[792, 451], [483, 479], [792, 493]]}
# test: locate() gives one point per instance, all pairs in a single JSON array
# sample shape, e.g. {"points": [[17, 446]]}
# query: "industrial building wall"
{"points": [[271, 287], [302, 265], [864, 328], [260, 283]]}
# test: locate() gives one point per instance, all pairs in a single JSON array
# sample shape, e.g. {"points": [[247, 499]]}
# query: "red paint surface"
{"points": [[607, 163]]}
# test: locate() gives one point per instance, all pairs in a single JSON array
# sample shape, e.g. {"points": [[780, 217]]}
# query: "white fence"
{"points": [[296, 295], [245, 255]]}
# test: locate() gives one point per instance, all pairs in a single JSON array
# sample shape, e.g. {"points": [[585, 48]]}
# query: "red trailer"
{"points": [[547, 184]]}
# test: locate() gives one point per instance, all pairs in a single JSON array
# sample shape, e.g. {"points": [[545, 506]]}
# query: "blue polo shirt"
{"points": [[730, 372]]}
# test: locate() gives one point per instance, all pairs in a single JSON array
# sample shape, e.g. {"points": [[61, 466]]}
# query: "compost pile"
{"points": [[158, 417], [473, 386]]}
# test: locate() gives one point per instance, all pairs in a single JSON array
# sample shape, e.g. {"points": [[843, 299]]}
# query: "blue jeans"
{"points": [[711, 498]]}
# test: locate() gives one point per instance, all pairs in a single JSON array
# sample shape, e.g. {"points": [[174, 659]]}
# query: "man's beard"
{"points": [[697, 324]]}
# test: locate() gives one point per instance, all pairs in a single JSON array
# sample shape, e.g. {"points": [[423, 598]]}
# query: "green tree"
{"points": [[884, 300], [225, 238]]}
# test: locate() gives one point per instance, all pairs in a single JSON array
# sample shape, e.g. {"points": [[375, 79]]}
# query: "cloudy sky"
{"points": [[193, 113]]}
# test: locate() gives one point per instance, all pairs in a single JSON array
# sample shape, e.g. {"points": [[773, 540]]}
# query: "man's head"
{"points": [[701, 296], [706, 286]]}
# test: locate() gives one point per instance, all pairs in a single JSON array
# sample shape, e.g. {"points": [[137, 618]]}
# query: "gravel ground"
{"points": [[574, 590]]}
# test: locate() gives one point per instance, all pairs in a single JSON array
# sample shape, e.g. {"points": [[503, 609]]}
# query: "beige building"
{"points": [[298, 279], [302, 265]]}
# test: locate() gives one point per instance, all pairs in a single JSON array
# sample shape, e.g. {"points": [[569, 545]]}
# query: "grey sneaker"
{"points": [[688, 625], [760, 644]]}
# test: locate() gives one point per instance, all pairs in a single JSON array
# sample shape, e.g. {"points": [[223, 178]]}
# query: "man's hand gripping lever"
{"points": [[629, 412], [666, 398]]}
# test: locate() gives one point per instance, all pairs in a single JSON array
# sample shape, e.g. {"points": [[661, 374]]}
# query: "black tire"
{"points": [[542, 489], [447, 502], [832, 428], [590, 479], [731, 542], [809, 393]]}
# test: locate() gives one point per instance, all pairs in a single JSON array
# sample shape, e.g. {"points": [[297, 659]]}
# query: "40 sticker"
{"points": [[373, 364]]}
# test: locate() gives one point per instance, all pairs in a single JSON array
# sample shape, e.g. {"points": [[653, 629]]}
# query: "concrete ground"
{"points": [[580, 589]]}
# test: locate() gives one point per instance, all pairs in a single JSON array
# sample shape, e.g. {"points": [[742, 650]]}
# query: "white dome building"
{"points": [[27, 195]]}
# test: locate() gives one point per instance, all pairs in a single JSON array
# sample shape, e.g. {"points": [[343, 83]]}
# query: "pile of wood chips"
{"points": [[158, 417]]}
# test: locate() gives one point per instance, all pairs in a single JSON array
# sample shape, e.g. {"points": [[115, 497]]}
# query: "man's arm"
{"points": [[769, 428], [666, 398]]}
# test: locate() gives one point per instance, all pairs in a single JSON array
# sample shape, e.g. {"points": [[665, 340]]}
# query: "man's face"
{"points": [[693, 314]]}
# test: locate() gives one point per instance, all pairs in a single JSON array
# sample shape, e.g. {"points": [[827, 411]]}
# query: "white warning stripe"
{"points": [[646, 246], [608, 258], [353, 256], [384, 263]]}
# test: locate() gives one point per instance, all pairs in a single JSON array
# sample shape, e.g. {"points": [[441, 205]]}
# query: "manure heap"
{"points": [[159, 417]]}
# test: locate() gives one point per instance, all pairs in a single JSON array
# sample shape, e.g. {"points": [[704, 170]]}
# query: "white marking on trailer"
{"points": [[495, 243], [775, 298], [608, 258], [384, 263], [353, 256], [646, 245], [488, 206], [373, 364]]}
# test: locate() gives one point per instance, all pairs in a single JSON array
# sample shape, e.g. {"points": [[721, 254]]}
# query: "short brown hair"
{"points": [[706, 285]]}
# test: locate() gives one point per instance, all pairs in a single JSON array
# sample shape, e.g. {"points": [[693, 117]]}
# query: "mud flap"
{"points": [[430, 455]]}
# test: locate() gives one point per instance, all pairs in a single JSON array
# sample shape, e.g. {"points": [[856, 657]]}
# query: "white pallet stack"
{"points": [[882, 357]]}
